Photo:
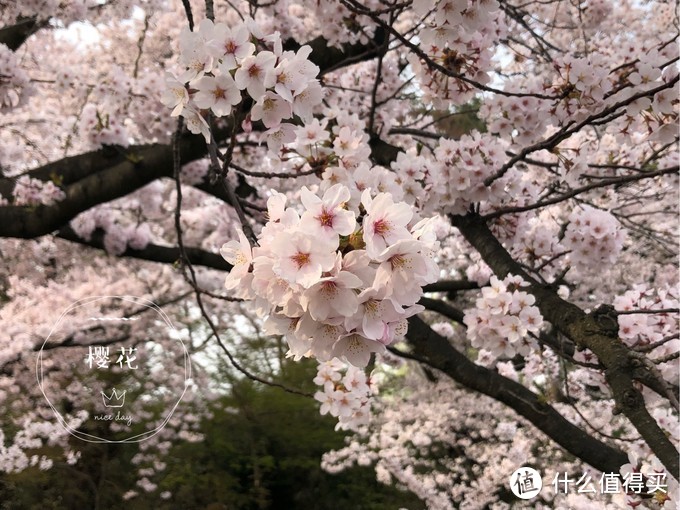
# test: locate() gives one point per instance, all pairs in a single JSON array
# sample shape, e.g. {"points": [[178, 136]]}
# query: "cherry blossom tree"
{"points": [[476, 302]]}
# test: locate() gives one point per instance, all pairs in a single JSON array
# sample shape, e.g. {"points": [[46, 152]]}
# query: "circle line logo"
{"points": [[109, 377], [526, 483]]}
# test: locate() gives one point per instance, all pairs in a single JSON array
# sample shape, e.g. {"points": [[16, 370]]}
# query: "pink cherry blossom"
{"points": [[356, 349], [385, 222], [327, 216], [301, 259], [230, 45], [218, 93], [252, 71], [239, 254], [332, 296], [271, 109]]}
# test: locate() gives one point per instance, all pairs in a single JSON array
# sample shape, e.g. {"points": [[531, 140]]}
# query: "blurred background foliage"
{"points": [[262, 451]]}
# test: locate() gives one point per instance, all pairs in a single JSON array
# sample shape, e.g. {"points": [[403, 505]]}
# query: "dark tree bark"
{"points": [[585, 331], [435, 351]]}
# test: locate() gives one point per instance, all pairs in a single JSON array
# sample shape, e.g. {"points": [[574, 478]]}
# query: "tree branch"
{"points": [[443, 308], [153, 252], [141, 166], [573, 127], [610, 181], [15, 35], [434, 350], [584, 331], [100, 176], [450, 286]]}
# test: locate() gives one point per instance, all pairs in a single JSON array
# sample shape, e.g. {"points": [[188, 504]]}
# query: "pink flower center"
{"points": [[381, 227], [219, 93], [230, 47], [300, 259], [398, 261], [326, 218], [254, 71], [268, 104], [371, 307], [329, 288]]}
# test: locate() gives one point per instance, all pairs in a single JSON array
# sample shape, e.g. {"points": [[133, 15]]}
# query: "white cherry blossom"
{"points": [[219, 93], [301, 259], [327, 216], [385, 222]]}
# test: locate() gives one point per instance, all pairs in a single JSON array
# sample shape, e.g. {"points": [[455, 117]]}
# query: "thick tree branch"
{"points": [[434, 350], [153, 252], [450, 286], [104, 175], [141, 166], [330, 58], [15, 35], [585, 331], [443, 308]]}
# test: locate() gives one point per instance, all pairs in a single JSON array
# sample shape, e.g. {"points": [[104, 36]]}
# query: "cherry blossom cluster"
{"points": [[596, 13], [109, 117], [120, 230], [410, 443], [643, 330], [16, 453], [337, 281], [584, 85], [14, 84], [656, 116], [102, 128], [30, 191], [461, 168], [585, 81], [339, 25], [594, 237], [220, 63], [536, 240], [642, 463], [460, 37], [342, 147], [67, 12], [345, 143], [520, 120], [195, 172], [503, 319], [346, 393]]}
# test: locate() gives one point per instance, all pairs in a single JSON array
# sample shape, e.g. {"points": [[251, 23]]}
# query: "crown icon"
{"points": [[115, 400]]}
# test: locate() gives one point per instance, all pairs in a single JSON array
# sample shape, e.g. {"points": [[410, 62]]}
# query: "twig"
{"points": [[190, 16], [191, 276], [651, 312], [599, 184]]}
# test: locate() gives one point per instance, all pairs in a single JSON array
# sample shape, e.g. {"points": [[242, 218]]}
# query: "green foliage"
{"points": [[262, 450], [456, 122], [461, 121]]}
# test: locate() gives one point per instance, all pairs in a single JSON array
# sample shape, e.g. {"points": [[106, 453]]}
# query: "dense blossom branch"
{"points": [[111, 173], [574, 127], [604, 182], [360, 9], [435, 351], [583, 330]]}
